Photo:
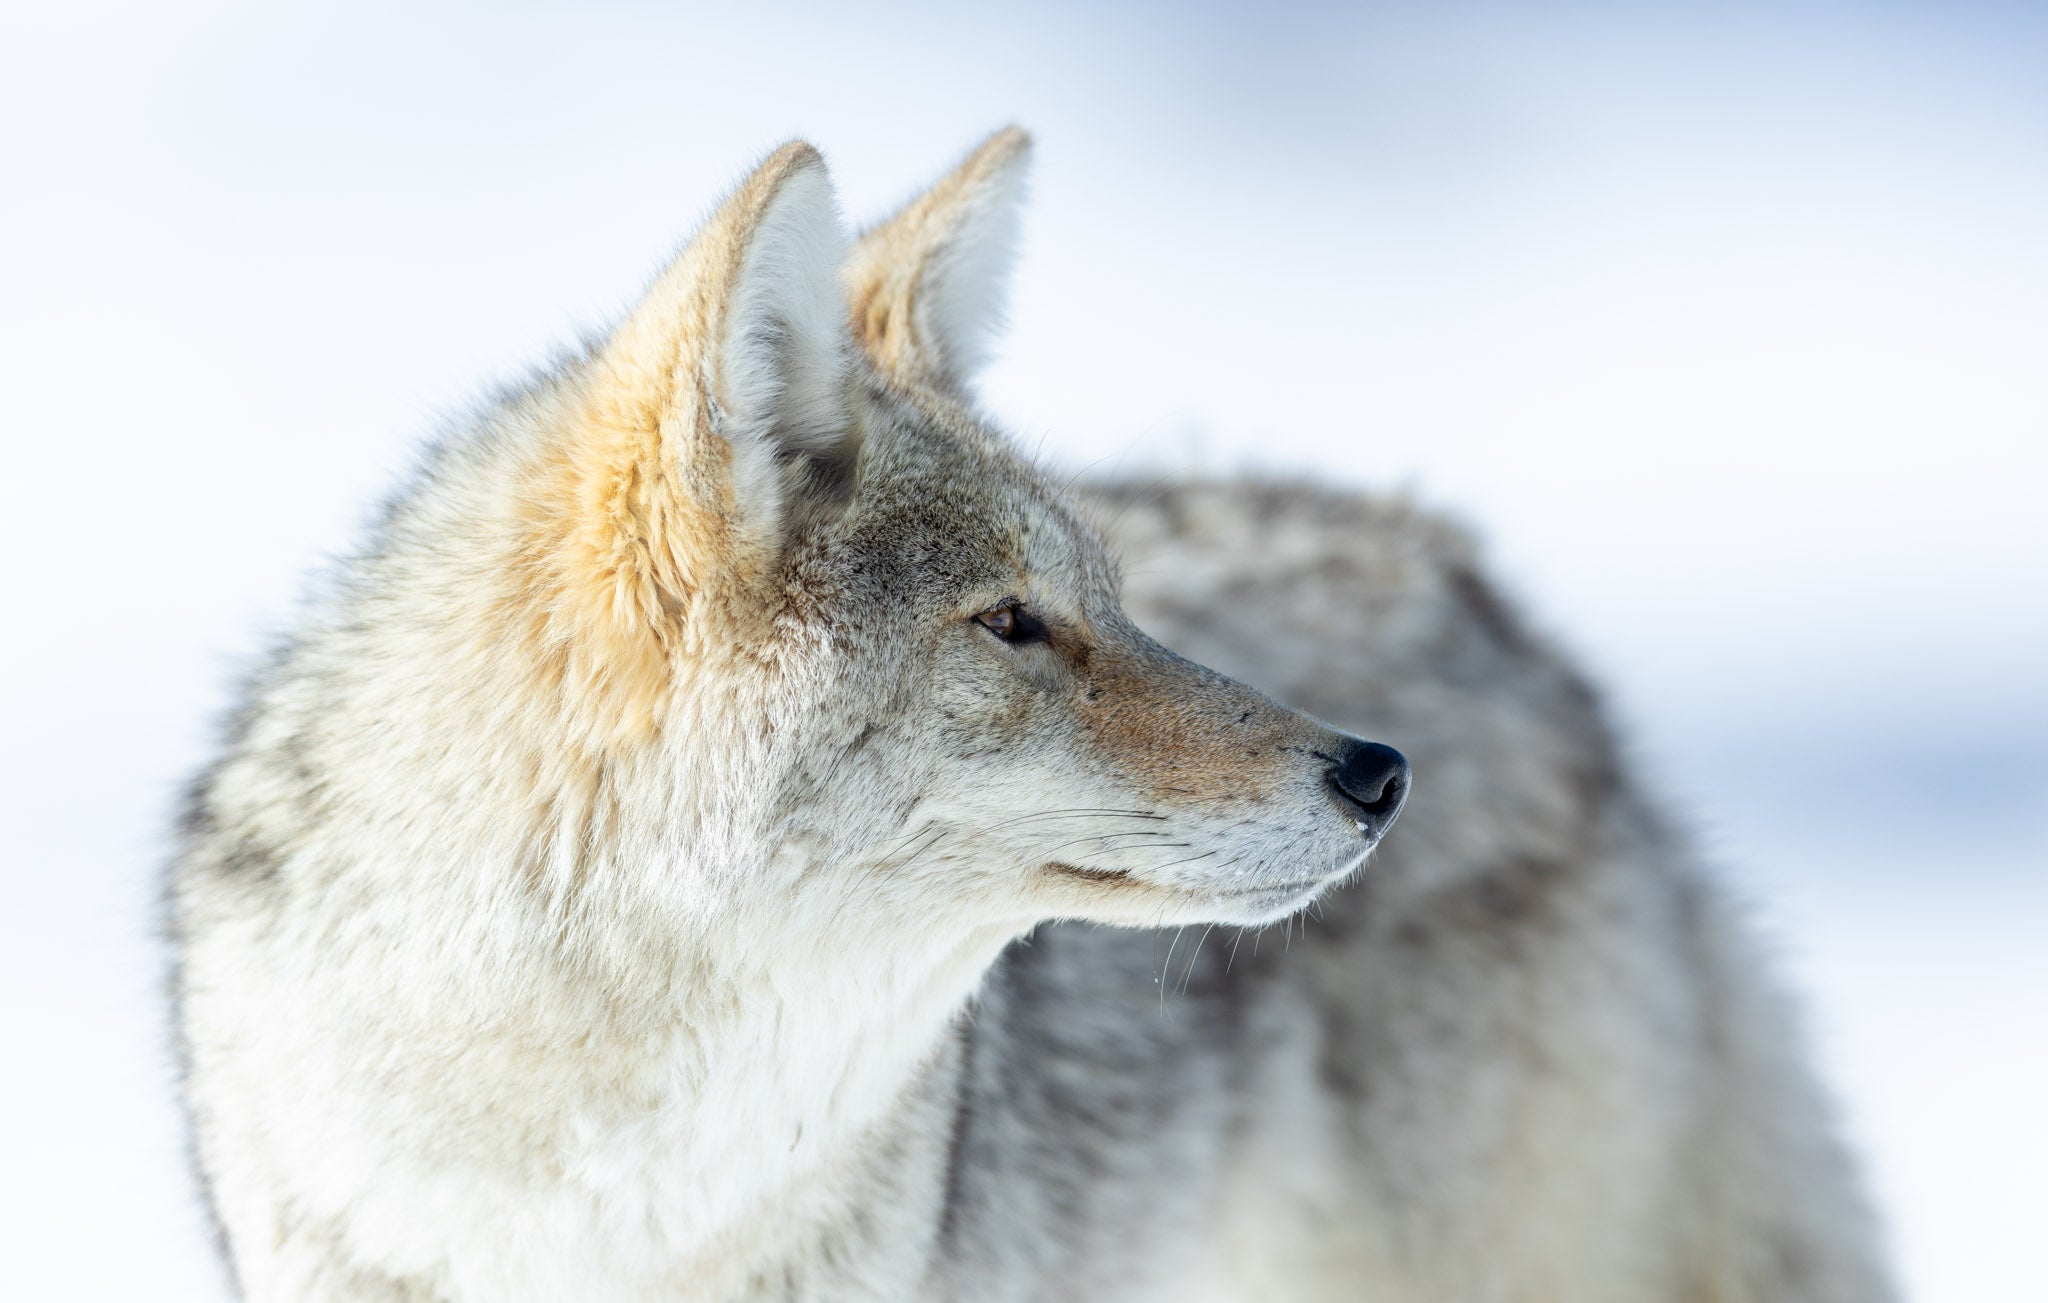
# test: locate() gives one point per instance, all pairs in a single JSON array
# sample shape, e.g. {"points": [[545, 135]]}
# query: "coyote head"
{"points": [[813, 635]]}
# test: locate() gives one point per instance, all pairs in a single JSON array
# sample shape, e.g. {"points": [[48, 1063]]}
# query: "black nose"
{"points": [[1370, 781]]}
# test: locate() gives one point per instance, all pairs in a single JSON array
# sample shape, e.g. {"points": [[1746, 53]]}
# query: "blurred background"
{"points": [[1726, 325]]}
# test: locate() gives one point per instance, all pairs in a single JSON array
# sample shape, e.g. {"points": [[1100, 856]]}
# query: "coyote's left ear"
{"points": [[713, 420], [726, 389], [926, 287]]}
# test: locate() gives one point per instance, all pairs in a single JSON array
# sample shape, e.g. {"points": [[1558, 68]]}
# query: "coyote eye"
{"points": [[1012, 623]]}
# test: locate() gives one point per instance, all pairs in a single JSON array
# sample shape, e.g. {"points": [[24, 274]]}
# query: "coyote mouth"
{"points": [[1123, 877], [1086, 874]]}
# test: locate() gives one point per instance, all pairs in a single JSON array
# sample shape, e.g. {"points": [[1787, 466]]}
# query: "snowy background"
{"points": [[1729, 329]]}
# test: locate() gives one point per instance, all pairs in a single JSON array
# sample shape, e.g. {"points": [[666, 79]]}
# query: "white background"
{"points": [[1730, 332]]}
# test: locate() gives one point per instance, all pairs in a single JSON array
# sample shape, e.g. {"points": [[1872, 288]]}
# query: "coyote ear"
{"points": [[733, 370], [681, 450], [927, 286]]}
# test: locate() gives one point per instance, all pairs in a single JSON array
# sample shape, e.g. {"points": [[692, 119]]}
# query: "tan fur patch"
{"points": [[631, 536]]}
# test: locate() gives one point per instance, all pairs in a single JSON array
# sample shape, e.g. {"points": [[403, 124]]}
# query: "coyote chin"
{"points": [[669, 866]]}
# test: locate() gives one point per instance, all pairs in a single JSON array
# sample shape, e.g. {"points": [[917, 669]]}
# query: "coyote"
{"points": [[727, 836]]}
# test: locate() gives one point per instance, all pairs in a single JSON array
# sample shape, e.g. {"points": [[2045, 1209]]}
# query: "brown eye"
{"points": [[1011, 623]]}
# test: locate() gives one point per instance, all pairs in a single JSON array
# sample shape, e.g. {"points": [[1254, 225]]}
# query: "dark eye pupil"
{"points": [[1011, 624]]}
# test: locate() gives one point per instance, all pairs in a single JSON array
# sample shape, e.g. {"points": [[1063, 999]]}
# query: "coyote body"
{"points": [[729, 838]]}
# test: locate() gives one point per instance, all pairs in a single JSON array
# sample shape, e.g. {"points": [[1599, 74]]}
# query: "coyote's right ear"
{"points": [[926, 286]]}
